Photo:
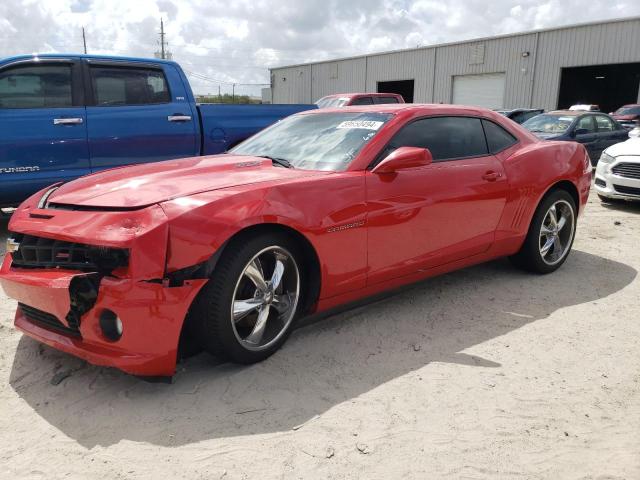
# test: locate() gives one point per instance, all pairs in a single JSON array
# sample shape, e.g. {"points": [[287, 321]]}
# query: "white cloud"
{"points": [[235, 41]]}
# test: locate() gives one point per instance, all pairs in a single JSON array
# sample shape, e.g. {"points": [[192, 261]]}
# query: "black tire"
{"points": [[530, 257], [210, 313]]}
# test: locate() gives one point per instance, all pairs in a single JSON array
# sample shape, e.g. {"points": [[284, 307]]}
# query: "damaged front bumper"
{"points": [[63, 307]]}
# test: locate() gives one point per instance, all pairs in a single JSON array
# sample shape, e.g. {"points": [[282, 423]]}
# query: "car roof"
{"points": [[394, 108], [361, 94], [35, 56], [572, 113]]}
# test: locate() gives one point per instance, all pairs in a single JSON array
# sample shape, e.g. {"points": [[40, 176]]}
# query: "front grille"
{"points": [[600, 182], [40, 252], [628, 170], [627, 190], [48, 321]]}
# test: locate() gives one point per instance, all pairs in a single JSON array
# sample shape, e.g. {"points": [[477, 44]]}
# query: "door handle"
{"points": [[179, 118], [491, 176], [68, 121]]}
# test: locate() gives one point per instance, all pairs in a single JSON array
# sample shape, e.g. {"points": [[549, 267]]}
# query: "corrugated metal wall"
{"points": [[532, 63]]}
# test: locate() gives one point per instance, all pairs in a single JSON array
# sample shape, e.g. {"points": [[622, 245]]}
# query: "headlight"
{"points": [[604, 158]]}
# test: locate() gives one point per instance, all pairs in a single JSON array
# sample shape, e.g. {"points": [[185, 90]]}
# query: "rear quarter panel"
{"points": [[532, 171]]}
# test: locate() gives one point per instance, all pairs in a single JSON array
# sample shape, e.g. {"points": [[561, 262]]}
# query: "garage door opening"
{"points": [[402, 87], [609, 86], [486, 90]]}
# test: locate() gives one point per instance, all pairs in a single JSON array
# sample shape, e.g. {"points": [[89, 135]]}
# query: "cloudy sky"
{"points": [[234, 41]]}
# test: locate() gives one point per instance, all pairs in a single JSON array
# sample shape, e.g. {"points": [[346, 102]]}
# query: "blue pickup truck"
{"points": [[64, 116]]}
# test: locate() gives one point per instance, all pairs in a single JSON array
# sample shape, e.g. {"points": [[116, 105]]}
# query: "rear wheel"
{"points": [[247, 310], [550, 235]]}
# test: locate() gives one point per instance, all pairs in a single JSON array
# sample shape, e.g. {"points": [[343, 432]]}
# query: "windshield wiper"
{"points": [[281, 162]]}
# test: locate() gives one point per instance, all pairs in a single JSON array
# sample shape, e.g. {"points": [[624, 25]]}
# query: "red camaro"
{"points": [[325, 207]]}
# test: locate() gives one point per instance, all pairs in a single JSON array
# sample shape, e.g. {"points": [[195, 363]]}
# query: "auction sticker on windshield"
{"points": [[365, 124]]}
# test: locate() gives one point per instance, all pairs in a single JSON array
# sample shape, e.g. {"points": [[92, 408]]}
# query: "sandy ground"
{"points": [[483, 373]]}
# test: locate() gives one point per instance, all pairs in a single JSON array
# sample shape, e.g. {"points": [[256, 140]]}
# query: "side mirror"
{"points": [[403, 158], [580, 131]]}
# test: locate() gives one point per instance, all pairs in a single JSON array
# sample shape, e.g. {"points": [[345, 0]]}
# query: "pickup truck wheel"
{"points": [[550, 235], [248, 308]]}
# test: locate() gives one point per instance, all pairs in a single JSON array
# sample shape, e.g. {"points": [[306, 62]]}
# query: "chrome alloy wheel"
{"points": [[556, 232], [265, 298]]}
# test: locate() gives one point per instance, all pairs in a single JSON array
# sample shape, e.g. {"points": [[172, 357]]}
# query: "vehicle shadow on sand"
{"points": [[323, 364]]}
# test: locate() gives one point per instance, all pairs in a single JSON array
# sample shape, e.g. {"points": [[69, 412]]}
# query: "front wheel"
{"points": [[246, 311], [550, 235]]}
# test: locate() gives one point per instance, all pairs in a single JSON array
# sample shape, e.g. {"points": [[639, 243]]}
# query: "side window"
{"points": [[446, 137], [604, 124], [362, 101], [519, 117], [128, 86], [586, 123], [387, 99], [497, 137], [40, 86]]}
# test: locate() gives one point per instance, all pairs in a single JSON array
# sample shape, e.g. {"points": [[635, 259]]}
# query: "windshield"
{"points": [[628, 111], [548, 124], [322, 141], [332, 102]]}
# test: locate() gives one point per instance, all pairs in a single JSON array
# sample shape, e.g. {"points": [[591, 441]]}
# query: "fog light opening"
{"points": [[110, 325]]}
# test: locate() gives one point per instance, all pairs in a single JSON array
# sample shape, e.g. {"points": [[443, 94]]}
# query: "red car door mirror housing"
{"points": [[403, 158]]}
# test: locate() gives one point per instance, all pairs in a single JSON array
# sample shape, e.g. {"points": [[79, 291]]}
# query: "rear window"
{"points": [[114, 86], [388, 100], [497, 137], [362, 101]]}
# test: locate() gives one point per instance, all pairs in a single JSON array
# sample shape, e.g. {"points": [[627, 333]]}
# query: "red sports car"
{"points": [[322, 208]]}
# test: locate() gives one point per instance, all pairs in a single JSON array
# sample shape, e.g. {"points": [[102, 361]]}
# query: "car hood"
{"points": [[141, 185], [629, 147]]}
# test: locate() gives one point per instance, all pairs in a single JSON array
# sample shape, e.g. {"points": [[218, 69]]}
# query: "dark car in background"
{"points": [[521, 115], [628, 115], [595, 130]]}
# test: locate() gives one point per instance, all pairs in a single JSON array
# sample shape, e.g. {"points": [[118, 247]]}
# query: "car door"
{"points": [[138, 113], [428, 216], [607, 134], [585, 132], [43, 131]]}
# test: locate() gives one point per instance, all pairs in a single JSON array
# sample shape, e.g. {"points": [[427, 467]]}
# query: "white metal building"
{"points": [[552, 68]]}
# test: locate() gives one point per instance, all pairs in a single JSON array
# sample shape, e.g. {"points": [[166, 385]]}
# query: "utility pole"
{"points": [[219, 95], [84, 41], [233, 94], [162, 51]]}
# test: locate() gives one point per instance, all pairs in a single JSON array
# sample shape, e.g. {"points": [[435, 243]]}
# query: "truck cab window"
{"points": [[128, 86], [39, 86]]}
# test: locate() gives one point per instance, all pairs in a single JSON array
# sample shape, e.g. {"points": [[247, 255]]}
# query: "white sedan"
{"points": [[618, 171]]}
